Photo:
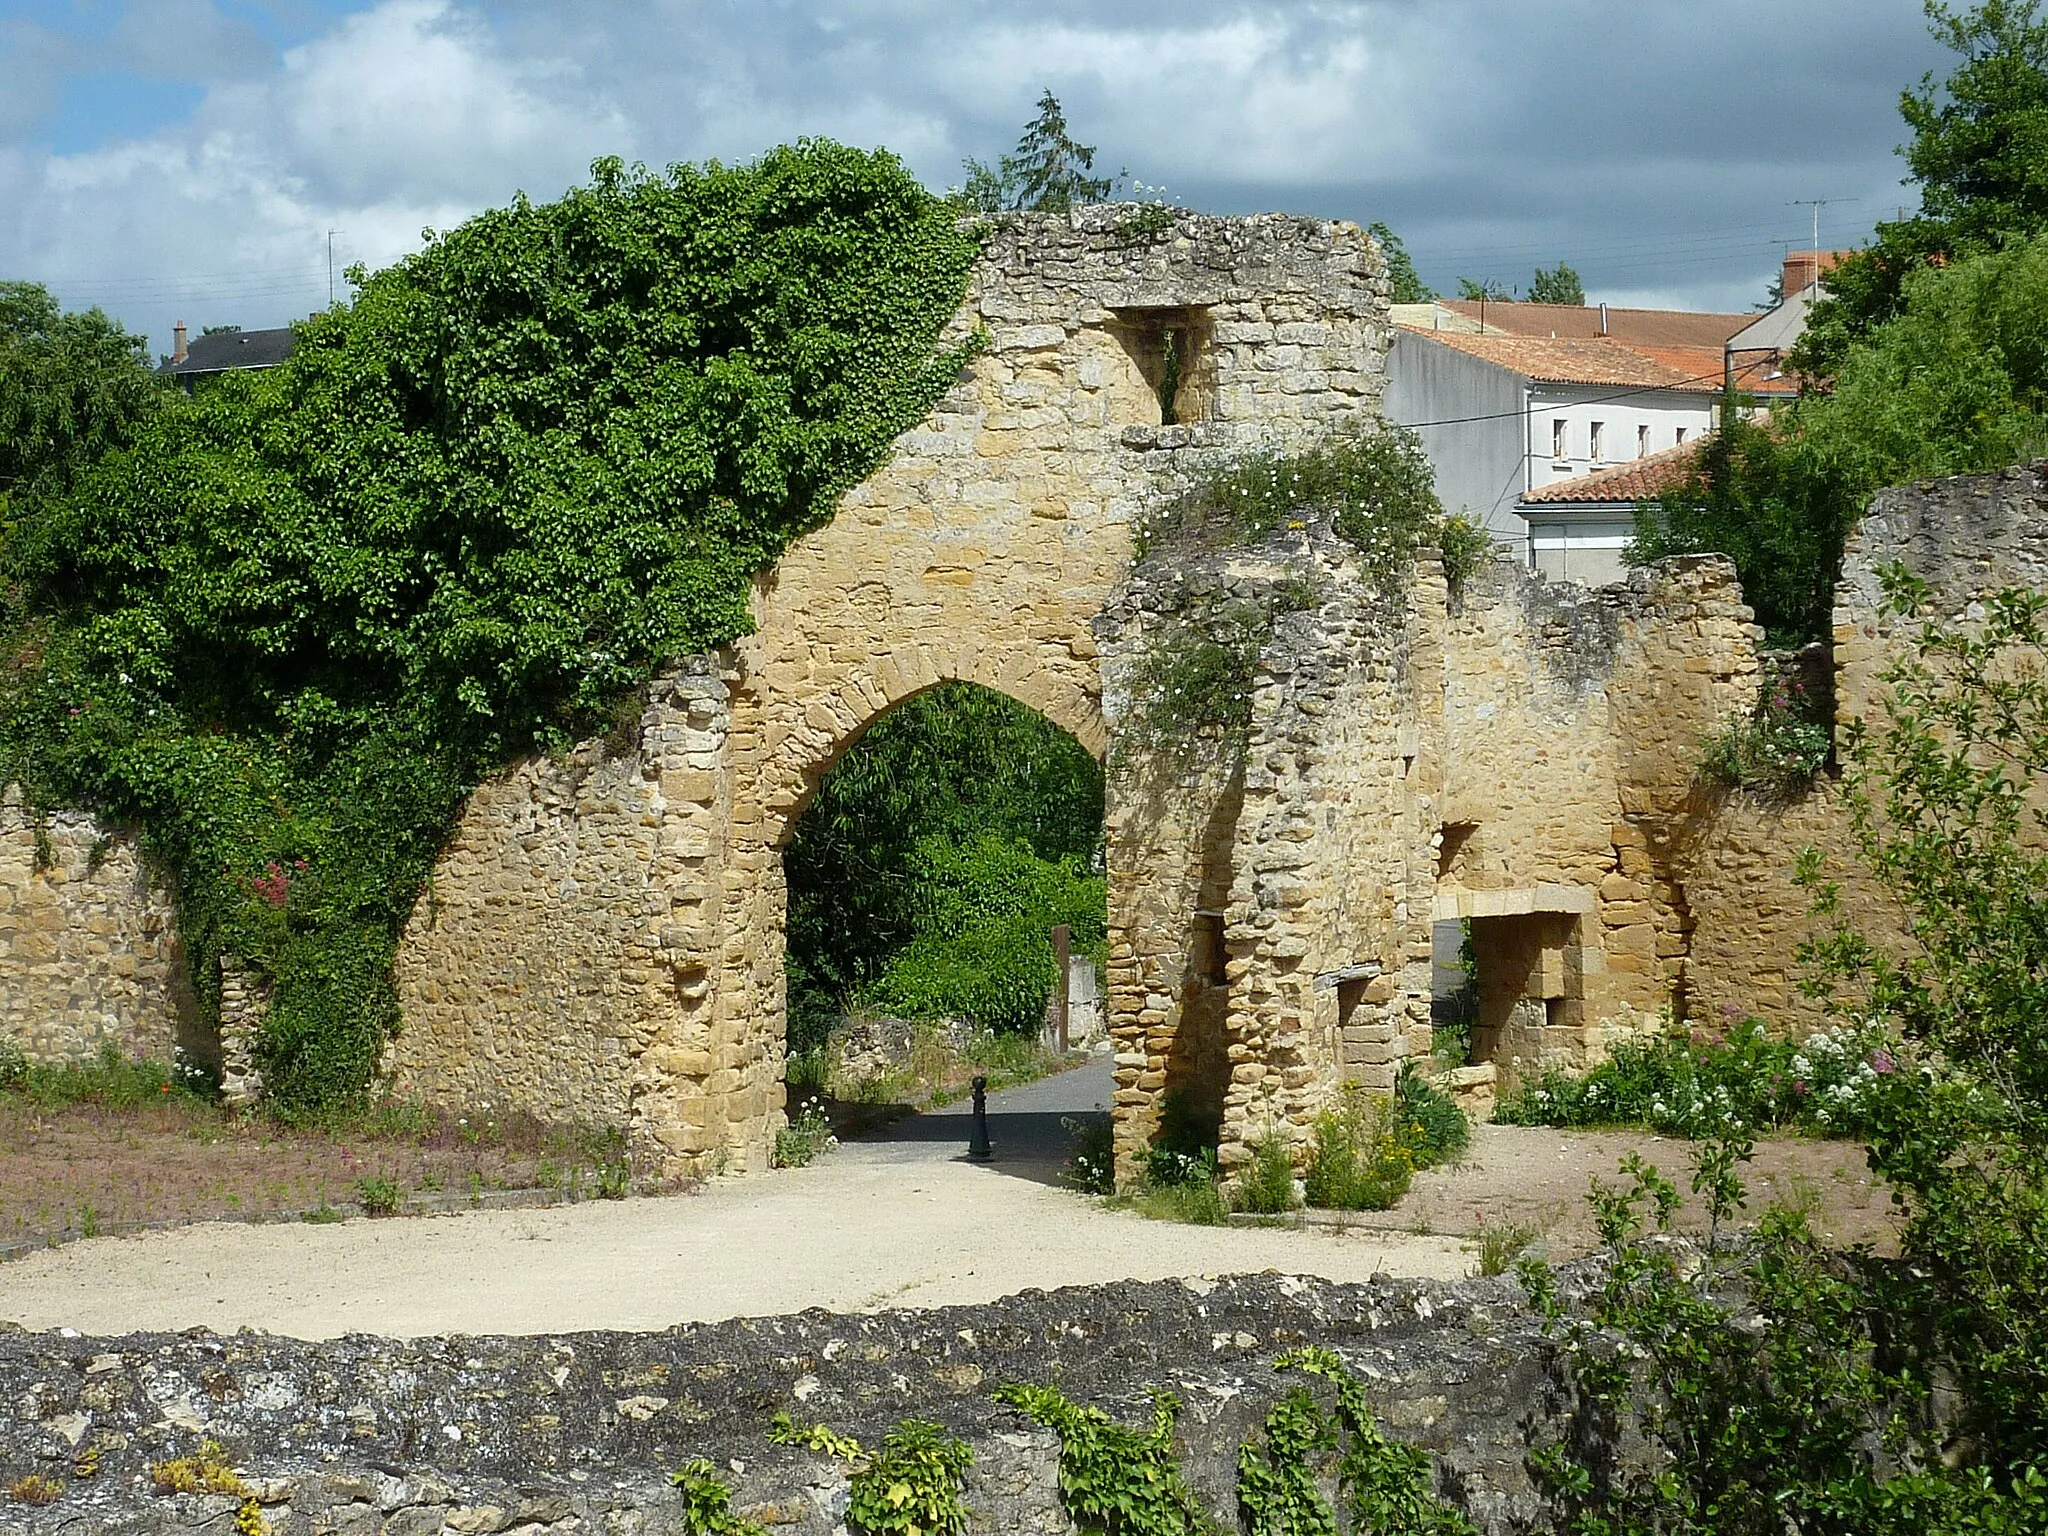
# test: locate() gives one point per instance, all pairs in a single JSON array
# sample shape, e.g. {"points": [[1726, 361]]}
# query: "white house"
{"points": [[1509, 399]]}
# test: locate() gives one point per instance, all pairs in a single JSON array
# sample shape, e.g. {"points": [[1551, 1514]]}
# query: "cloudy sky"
{"points": [[187, 159]]}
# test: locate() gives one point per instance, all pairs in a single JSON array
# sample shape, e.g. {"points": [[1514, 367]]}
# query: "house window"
{"points": [[1642, 441], [1593, 440], [1679, 439], [1558, 444]]}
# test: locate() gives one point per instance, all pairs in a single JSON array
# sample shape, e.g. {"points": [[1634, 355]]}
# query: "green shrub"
{"points": [[1266, 1186], [1467, 548], [807, 1134], [1362, 1157], [1501, 1243], [1828, 1084], [309, 607], [1091, 1166], [984, 952], [378, 1196], [1439, 1131], [13, 1064]]}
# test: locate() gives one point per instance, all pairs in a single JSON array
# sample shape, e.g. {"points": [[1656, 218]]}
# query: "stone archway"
{"points": [[604, 940]]}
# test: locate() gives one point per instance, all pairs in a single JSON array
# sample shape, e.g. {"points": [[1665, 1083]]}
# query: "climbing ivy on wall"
{"points": [[289, 628]]}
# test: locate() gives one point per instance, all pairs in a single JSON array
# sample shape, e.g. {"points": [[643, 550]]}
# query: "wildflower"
{"points": [[1881, 1062]]}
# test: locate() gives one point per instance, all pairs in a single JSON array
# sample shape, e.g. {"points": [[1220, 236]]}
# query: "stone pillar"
{"points": [[244, 1000]]}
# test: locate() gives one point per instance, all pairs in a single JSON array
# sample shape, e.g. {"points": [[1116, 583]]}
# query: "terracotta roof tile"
{"points": [[1638, 327], [1624, 484], [1580, 360]]}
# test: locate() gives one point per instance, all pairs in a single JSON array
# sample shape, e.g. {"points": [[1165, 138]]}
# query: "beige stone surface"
{"points": [[89, 952]]}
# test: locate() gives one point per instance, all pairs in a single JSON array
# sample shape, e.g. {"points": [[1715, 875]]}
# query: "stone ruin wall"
{"points": [[604, 938], [1965, 537], [89, 952]]}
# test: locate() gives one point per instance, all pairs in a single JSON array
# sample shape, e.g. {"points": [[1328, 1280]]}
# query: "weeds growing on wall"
{"points": [[1778, 750], [1191, 681], [288, 628]]}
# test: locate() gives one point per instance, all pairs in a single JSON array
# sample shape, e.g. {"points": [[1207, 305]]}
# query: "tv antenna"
{"points": [[1816, 204], [330, 266]]}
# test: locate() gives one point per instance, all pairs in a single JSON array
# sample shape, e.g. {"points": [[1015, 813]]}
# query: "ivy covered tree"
{"points": [[298, 615], [72, 387], [1979, 155], [1556, 285], [1049, 171]]}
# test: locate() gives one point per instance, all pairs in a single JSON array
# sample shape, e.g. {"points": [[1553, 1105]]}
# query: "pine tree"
{"points": [[1407, 284], [1049, 171]]}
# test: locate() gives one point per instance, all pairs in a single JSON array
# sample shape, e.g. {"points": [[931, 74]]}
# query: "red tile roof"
{"points": [[1609, 363], [1638, 327], [1579, 360], [1624, 484]]}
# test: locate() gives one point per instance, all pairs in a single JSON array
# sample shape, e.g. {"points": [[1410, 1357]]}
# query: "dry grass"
{"points": [[83, 1169]]}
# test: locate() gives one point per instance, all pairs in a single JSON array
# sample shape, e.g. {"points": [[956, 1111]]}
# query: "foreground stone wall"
{"points": [[89, 953], [577, 1432]]}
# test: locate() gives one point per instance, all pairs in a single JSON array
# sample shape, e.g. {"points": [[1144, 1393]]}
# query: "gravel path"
{"points": [[899, 1220]]}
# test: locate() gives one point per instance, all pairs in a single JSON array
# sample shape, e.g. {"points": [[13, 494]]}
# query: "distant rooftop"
{"points": [[227, 350], [1608, 361]]}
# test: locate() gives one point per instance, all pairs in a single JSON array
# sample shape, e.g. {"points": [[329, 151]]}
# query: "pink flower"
{"points": [[1800, 1088], [1881, 1062]]}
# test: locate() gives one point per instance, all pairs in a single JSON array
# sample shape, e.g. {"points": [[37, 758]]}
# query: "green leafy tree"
{"points": [[1556, 285], [953, 764], [72, 386], [1049, 171], [1979, 155], [1408, 286], [305, 610]]}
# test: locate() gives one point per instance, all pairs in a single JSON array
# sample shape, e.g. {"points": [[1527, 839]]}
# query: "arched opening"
{"points": [[926, 878]]}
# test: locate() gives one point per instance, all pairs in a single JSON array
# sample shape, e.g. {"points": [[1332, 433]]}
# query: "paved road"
{"points": [[1027, 1125], [901, 1220]]}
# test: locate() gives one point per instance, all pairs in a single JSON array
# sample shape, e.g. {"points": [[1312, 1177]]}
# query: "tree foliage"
{"points": [[306, 609], [72, 386], [1556, 285], [1979, 154], [1489, 290], [947, 768], [1049, 170], [1407, 285], [1956, 382]]}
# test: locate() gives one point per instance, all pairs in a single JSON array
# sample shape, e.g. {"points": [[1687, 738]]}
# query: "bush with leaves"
{"points": [[1362, 1154], [984, 948], [956, 763], [305, 610]]}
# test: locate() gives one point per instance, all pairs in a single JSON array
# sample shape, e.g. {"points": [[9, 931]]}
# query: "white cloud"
{"points": [[406, 115], [1657, 147]]}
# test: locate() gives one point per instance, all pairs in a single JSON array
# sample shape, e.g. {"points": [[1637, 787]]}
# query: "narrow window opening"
{"points": [[1642, 441], [1593, 435], [1559, 439], [1207, 953], [1171, 351]]}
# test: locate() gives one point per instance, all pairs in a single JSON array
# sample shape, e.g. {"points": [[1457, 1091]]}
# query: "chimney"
{"points": [[1603, 319], [178, 342], [1801, 269]]}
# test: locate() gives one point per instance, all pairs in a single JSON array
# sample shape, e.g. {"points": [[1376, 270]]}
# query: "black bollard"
{"points": [[978, 1149]]}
